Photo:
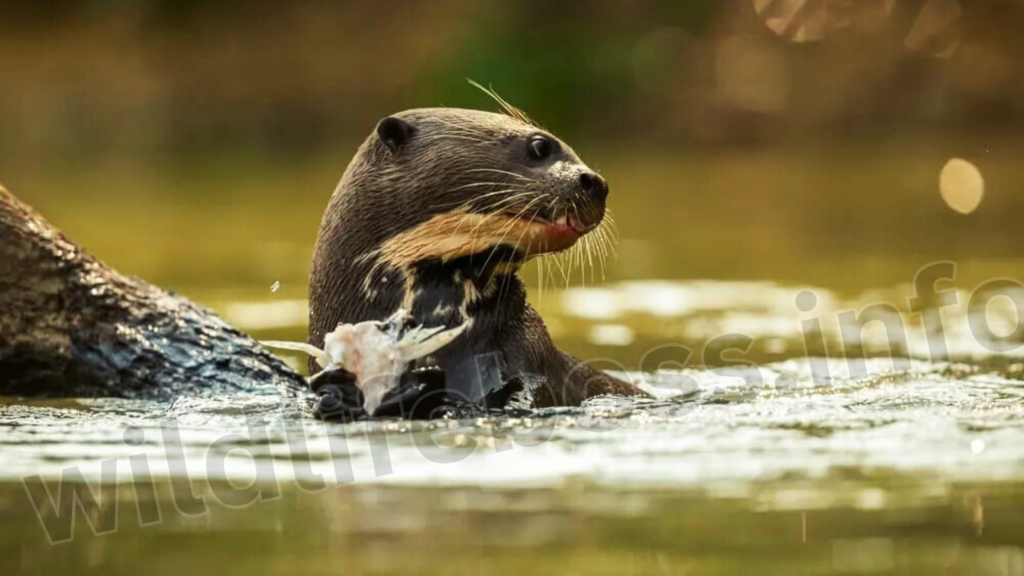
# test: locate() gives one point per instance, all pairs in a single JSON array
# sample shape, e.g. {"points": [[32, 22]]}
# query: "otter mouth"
{"points": [[456, 234], [554, 233], [548, 230], [566, 224]]}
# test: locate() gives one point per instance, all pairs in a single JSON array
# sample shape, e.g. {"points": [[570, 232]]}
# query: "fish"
{"points": [[376, 352]]}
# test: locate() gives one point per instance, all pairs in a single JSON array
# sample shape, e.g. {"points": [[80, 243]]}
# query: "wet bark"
{"points": [[72, 326]]}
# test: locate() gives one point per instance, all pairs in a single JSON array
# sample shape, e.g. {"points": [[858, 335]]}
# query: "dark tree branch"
{"points": [[72, 326]]}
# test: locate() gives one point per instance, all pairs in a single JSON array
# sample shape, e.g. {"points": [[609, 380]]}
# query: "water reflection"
{"points": [[574, 528], [728, 464]]}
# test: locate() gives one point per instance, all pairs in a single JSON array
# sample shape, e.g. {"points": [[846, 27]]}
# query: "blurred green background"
{"points": [[781, 143], [196, 143]]}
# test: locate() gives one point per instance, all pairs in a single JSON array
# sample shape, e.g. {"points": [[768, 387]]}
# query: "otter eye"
{"points": [[539, 147]]}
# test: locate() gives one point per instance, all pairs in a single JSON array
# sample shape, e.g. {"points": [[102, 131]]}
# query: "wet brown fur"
{"points": [[416, 226]]}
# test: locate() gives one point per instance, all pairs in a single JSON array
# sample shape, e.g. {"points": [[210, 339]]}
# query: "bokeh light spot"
{"points": [[961, 185]]}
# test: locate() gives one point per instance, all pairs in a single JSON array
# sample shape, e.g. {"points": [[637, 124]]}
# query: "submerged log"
{"points": [[71, 326]]}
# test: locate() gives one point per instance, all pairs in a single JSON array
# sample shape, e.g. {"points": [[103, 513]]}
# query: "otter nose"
{"points": [[593, 185]]}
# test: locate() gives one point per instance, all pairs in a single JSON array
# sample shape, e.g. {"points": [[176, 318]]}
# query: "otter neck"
{"points": [[451, 292], [483, 290]]}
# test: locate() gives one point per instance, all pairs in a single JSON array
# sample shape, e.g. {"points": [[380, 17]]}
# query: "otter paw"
{"points": [[339, 399]]}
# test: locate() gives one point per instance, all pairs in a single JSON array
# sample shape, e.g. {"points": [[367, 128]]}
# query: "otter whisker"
{"points": [[516, 197], [496, 210], [576, 260], [599, 256], [460, 204], [567, 259], [488, 216], [565, 268], [597, 249], [505, 280], [518, 217], [511, 257], [541, 264], [546, 259], [611, 233], [608, 245], [601, 248], [610, 239], [475, 184], [508, 228], [505, 106], [476, 198], [473, 231], [525, 230], [557, 260], [467, 203], [501, 205], [588, 253], [613, 228], [506, 201], [501, 172]]}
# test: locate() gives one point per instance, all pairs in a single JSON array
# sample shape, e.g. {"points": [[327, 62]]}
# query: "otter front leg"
{"points": [[571, 381]]}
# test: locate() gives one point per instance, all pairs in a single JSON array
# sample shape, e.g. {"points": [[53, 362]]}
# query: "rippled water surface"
{"points": [[790, 463]]}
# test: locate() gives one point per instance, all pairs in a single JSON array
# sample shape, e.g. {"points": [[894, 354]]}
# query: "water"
{"points": [[921, 469], [891, 474], [764, 458]]}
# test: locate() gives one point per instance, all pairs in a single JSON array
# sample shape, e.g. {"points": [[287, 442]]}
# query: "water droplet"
{"points": [[806, 301], [134, 436], [978, 446]]}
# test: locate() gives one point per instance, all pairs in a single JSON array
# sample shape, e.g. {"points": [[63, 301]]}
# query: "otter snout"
{"points": [[588, 213], [594, 186], [584, 200]]}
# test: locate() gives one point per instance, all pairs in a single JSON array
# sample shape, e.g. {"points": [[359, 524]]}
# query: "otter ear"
{"points": [[394, 133]]}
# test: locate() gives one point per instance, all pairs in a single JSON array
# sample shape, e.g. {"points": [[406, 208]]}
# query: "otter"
{"points": [[435, 214]]}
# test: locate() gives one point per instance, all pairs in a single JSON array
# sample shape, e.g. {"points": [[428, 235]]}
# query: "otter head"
{"points": [[464, 182], [436, 205]]}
